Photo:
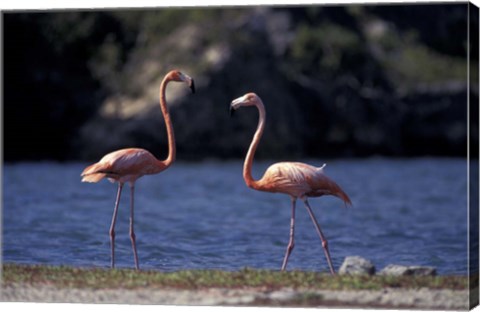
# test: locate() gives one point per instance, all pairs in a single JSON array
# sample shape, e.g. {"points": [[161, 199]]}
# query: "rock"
{"points": [[402, 270], [394, 269], [355, 265]]}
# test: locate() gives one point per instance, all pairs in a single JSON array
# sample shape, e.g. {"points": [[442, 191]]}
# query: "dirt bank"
{"points": [[386, 298]]}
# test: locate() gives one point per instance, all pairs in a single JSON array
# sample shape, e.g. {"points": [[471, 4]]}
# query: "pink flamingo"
{"points": [[129, 164], [296, 179]]}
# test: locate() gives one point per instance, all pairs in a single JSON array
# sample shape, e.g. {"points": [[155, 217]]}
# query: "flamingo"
{"points": [[129, 164], [298, 180]]}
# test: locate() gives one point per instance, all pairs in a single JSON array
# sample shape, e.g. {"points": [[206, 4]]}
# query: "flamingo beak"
{"points": [[236, 104], [233, 106], [187, 79], [192, 85]]}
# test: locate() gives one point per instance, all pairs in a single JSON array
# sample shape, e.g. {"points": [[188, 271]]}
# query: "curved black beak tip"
{"points": [[232, 111], [192, 86]]}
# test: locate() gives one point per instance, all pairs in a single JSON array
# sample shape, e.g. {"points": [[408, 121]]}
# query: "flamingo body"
{"points": [[299, 180], [125, 165]]}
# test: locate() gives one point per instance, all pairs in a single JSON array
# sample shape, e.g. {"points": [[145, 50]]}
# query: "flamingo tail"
{"points": [[93, 173]]}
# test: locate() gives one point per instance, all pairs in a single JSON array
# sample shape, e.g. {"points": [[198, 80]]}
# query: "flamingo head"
{"points": [[177, 75], [248, 99]]}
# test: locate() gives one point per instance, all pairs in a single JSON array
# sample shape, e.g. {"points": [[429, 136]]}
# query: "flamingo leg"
{"points": [[291, 242], [112, 226], [322, 237], [132, 233]]}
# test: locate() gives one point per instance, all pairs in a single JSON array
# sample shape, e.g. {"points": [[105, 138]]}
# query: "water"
{"points": [[202, 216]]}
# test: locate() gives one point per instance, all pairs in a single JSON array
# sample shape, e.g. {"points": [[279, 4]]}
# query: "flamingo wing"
{"points": [[299, 179]]}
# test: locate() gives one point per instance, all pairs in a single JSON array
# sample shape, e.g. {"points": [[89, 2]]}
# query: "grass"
{"points": [[100, 278]]}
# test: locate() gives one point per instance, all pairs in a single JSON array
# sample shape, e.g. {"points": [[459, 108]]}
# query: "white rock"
{"points": [[402, 270], [355, 265]]}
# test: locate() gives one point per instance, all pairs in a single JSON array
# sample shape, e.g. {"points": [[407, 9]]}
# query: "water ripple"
{"points": [[405, 211]]}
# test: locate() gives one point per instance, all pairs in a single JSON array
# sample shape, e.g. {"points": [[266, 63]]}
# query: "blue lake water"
{"points": [[202, 216]]}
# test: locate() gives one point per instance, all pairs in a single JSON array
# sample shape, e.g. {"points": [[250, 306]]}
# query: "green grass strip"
{"points": [[102, 278]]}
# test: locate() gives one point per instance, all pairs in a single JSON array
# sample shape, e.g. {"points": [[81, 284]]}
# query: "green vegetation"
{"points": [[327, 48], [99, 278], [409, 62]]}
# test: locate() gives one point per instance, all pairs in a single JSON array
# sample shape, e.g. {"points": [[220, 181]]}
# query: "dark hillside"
{"points": [[337, 81]]}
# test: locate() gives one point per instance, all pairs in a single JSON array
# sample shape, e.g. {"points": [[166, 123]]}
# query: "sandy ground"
{"points": [[386, 298]]}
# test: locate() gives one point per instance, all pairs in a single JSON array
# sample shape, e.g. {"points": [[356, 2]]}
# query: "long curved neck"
{"points": [[168, 123], [247, 166]]}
